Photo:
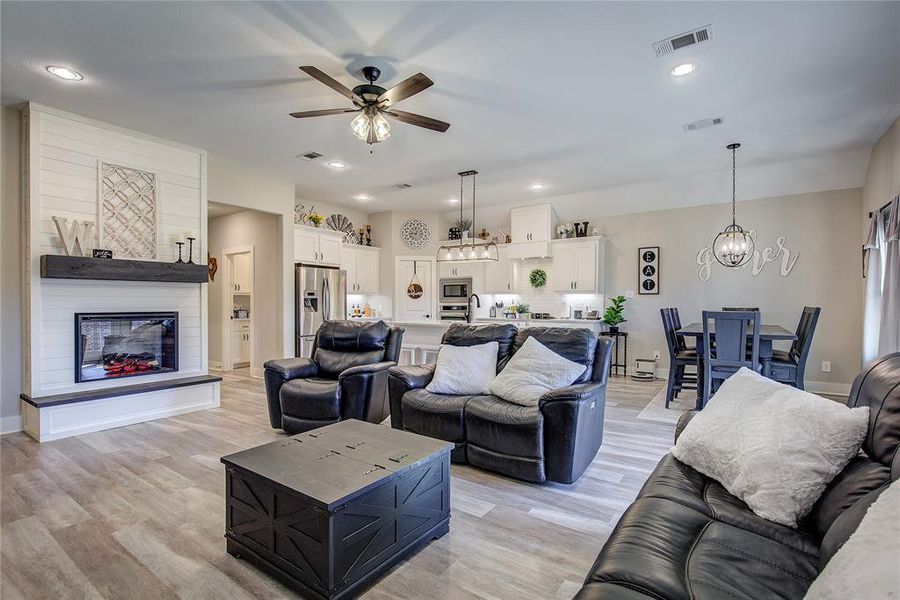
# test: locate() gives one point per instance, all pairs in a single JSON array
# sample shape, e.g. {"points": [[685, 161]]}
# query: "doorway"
{"points": [[410, 307], [238, 308]]}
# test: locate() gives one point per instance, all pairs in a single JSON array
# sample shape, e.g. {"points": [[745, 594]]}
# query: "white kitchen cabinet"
{"points": [[241, 339], [578, 265], [532, 223], [456, 270], [499, 276], [317, 246], [242, 276], [361, 264], [531, 228]]}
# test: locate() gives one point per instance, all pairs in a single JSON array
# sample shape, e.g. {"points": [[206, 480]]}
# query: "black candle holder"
{"points": [[191, 250], [179, 244]]}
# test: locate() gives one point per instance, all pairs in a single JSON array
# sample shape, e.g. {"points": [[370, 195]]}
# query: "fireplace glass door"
{"points": [[114, 345]]}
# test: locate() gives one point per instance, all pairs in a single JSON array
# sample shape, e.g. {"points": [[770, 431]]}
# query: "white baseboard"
{"points": [[215, 365], [11, 424]]}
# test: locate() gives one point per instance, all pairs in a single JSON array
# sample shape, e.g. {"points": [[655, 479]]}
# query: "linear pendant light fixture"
{"points": [[467, 250], [733, 247]]}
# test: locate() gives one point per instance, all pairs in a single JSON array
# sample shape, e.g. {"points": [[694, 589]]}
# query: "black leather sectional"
{"points": [[346, 378], [686, 537], [554, 441]]}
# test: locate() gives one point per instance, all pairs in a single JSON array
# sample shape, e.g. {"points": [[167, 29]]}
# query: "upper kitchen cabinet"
{"points": [[578, 265], [500, 275], [317, 246], [465, 270], [361, 264], [531, 229]]}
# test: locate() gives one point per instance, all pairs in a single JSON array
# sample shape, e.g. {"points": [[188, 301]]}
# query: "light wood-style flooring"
{"points": [[138, 512]]}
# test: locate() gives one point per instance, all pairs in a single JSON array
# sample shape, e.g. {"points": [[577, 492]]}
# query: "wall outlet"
{"points": [[656, 354], [826, 366]]}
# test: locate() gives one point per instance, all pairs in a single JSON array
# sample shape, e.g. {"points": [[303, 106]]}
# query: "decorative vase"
{"points": [[454, 233]]}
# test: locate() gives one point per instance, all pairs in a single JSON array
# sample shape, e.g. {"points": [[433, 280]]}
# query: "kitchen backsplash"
{"points": [[544, 299]]}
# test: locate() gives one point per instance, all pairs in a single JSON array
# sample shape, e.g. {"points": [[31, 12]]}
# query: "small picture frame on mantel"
{"points": [[648, 270]]}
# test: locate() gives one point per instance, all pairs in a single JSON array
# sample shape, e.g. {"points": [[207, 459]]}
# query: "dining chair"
{"points": [[740, 309], [789, 366], [731, 350], [676, 322], [679, 359]]}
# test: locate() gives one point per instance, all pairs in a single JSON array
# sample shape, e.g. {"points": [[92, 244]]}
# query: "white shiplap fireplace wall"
{"points": [[62, 155]]}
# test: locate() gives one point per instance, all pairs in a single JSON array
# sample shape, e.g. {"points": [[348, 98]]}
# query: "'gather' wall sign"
{"points": [[761, 257]]}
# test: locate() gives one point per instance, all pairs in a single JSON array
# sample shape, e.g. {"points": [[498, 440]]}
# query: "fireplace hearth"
{"points": [[125, 344]]}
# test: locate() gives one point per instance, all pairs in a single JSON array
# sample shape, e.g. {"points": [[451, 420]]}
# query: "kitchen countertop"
{"points": [[527, 322]]}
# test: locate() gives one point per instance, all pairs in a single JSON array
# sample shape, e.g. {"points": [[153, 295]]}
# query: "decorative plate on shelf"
{"points": [[339, 222], [415, 234]]}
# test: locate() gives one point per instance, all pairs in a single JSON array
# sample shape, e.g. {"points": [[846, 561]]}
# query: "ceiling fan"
{"points": [[372, 101]]}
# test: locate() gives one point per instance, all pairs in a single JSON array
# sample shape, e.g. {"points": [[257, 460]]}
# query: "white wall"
{"points": [[10, 270], [63, 155], [883, 172], [260, 230]]}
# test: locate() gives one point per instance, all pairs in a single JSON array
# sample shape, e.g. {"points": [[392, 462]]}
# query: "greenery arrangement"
{"points": [[523, 309], [538, 278], [613, 315], [315, 218]]}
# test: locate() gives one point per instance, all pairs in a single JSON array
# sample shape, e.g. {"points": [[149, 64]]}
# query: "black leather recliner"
{"points": [[686, 537], [346, 378], [554, 441]]}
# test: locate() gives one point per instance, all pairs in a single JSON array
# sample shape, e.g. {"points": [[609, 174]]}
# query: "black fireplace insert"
{"points": [[125, 344]]}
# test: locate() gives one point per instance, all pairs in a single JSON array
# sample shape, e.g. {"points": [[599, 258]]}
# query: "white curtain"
{"points": [[881, 325]]}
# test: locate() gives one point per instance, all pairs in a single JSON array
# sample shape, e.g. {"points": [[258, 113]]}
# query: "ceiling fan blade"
{"points": [[323, 113], [405, 89], [333, 83], [418, 120]]}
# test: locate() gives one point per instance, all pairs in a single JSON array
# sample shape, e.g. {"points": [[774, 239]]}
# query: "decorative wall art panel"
{"points": [[415, 234], [648, 270], [128, 212], [784, 257]]}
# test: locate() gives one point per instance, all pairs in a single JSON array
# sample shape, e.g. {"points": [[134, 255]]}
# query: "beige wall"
{"points": [[11, 278], [883, 172], [817, 226], [260, 230]]}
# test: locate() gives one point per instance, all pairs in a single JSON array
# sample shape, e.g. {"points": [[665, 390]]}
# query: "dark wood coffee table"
{"points": [[329, 510]]}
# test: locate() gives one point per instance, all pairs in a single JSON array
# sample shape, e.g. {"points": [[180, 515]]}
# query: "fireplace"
{"points": [[116, 345]]}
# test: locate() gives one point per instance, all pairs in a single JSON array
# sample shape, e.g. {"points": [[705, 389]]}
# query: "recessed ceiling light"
{"points": [[337, 164], [362, 197], [65, 73], [683, 69], [452, 200], [536, 186]]}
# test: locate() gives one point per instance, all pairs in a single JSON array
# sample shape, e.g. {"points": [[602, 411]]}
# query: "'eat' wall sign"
{"points": [[648, 270]]}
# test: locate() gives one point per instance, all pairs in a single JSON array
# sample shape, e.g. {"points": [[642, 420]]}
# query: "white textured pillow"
{"points": [[773, 446], [464, 369], [533, 371], [868, 564]]}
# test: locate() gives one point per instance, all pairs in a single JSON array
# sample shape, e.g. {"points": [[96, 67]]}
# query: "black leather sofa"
{"points": [[686, 537], [555, 441], [346, 378]]}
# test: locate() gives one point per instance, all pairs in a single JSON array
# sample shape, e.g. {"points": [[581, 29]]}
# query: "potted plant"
{"points": [[613, 315], [523, 311]]}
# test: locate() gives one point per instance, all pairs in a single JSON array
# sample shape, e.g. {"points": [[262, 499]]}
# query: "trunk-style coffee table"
{"points": [[329, 510]]}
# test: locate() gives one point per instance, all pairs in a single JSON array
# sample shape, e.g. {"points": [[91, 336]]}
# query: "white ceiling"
{"points": [[570, 94]]}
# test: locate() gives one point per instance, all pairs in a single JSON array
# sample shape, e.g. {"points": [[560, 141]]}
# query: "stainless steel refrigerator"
{"points": [[320, 294]]}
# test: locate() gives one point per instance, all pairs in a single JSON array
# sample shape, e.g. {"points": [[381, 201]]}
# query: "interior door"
{"points": [[415, 309]]}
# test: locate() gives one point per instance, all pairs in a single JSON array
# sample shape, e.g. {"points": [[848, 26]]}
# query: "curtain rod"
{"points": [[885, 207]]}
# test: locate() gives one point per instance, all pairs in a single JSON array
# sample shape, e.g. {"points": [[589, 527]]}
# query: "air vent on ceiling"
{"points": [[310, 156], [682, 40], [703, 124], [402, 186]]}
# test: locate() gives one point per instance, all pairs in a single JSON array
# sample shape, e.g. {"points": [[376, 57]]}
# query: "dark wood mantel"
{"points": [[78, 267]]}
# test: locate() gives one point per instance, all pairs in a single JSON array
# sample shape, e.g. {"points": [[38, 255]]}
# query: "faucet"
{"points": [[470, 311]]}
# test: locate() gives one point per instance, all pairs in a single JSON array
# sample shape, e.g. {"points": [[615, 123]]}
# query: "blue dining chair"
{"points": [[676, 322], [679, 359], [790, 366], [731, 350], [740, 309]]}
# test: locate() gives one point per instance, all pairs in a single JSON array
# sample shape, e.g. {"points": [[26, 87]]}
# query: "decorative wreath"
{"points": [[538, 278]]}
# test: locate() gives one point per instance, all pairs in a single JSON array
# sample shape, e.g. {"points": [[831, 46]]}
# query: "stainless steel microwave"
{"points": [[456, 290]]}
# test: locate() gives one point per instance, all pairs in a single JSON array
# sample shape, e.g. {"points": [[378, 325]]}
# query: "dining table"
{"points": [[768, 334]]}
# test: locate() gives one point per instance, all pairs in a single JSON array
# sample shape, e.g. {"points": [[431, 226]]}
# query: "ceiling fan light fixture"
{"points": [[370, 127]]}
